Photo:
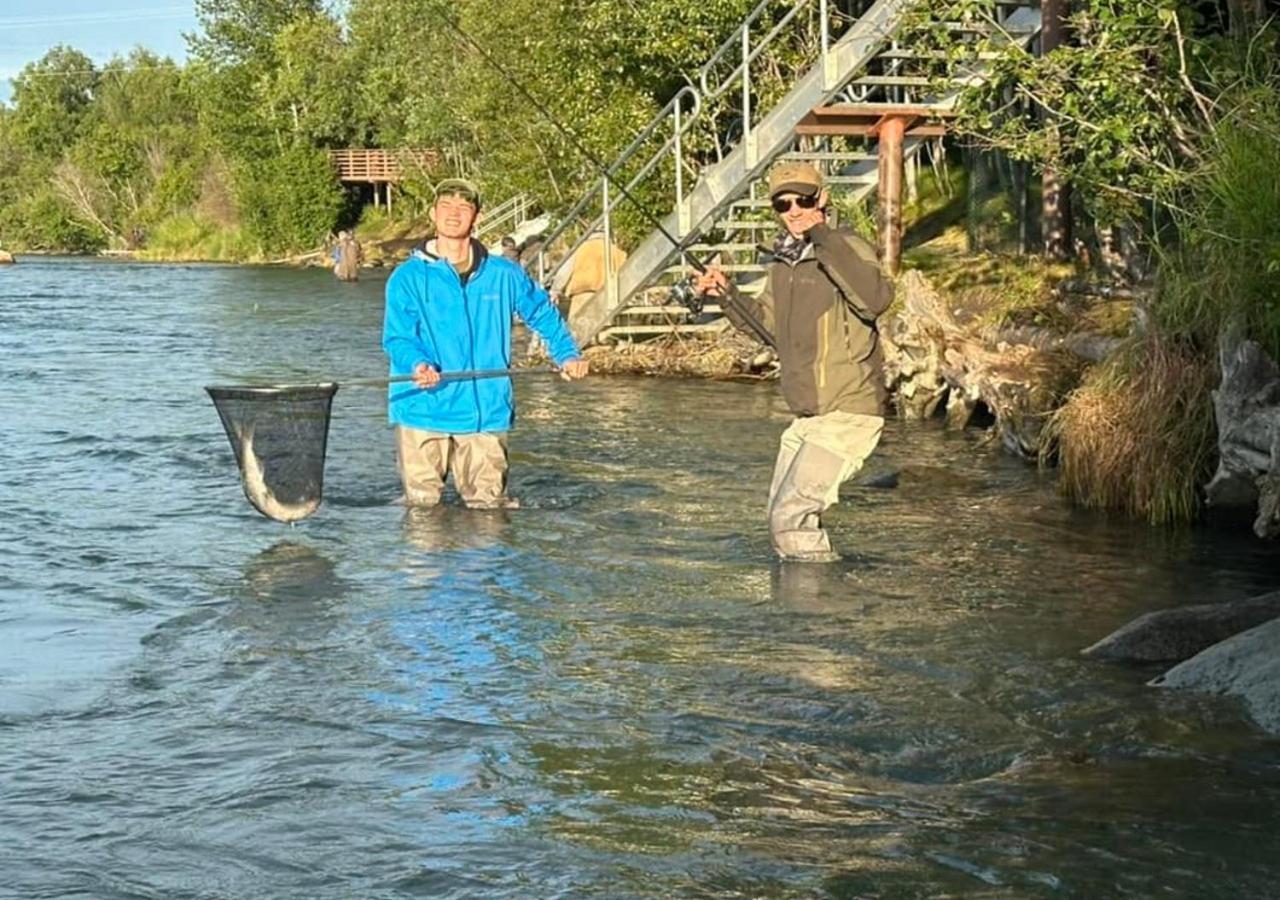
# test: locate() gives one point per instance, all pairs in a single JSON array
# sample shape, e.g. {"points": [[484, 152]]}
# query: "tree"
{"points": [[309, 93], [241, 32], [50, 98]]}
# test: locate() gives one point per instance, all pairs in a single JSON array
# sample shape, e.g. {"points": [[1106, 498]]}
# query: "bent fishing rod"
{"points": [[729, 296]]}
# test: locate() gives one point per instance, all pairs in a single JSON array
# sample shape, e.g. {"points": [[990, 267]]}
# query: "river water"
{"points": [[611, 692]]}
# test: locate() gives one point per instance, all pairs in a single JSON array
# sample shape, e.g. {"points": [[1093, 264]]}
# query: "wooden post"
{"points": [[890, 132]]}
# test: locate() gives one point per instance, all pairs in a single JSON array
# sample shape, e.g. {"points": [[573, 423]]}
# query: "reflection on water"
{"points": [[612, 691]]}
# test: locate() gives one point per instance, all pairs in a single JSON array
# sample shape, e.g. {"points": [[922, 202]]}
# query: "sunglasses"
{"points": [[783, 204]]}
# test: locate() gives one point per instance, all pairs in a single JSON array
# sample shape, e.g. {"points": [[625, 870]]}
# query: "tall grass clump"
{"points": [[1137, 436], [1225, 267], [188, 236]]}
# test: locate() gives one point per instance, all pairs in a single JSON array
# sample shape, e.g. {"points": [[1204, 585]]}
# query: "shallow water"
{"points": [[612, 691]]}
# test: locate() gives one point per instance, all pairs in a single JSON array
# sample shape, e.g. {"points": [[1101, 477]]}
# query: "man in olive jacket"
{"points": [[824, 292]]}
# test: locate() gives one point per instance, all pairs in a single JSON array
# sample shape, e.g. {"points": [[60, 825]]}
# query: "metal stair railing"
{"points": [[513, 210], [840, 57], [680, 122], [603, 197], [721, 181]]}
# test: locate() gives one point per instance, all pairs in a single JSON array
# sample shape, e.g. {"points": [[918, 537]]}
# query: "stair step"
{"points": [[723, 248], [985, 55], [744, 225], [731, 267], [986, 30], [893, 81], [621, 330], [669, 309], [801, 156]]}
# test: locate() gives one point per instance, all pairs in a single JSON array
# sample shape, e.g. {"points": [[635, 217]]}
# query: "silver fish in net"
{"points": [[279, 435]]}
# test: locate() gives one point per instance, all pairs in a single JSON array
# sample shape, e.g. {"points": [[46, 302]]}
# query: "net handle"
{"points": [[446, 377]]}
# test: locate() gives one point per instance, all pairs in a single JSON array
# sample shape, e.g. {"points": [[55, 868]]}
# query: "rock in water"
{"points": [[1245, 666], [1171, 635], [6, 258]]}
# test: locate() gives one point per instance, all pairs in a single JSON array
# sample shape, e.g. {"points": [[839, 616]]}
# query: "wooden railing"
{"points": [[376, 165]]}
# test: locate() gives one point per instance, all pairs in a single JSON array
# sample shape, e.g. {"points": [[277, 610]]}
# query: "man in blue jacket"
{"points": [[449, 308]]}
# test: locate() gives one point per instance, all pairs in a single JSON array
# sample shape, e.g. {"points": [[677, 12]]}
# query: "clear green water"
{"points": [[611, 692]]}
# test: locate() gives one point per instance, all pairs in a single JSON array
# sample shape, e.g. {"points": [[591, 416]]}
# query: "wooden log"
{"points": [[1172, 635], [1020, 376]]}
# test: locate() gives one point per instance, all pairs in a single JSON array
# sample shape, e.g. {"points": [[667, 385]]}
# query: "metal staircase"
{"points": [[861, 58]]}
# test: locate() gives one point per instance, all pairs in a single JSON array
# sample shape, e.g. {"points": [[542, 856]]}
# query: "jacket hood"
{"points": [[427, 250]]}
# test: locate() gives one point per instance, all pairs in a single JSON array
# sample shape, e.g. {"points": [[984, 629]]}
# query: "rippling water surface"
{"points": [[611, 692]]}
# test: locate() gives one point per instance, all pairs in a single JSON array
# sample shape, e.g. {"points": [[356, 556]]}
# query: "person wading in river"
{"points": [[347, 256], [449, 308], [824, 292]]}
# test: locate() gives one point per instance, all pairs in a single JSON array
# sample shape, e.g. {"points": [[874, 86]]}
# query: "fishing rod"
{"points": [[444, 378], [730, 295]]}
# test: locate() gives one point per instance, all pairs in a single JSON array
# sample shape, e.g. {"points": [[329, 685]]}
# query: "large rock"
{"points": [[1171, 635], [1246, 666], [6, 258], [1246, 406]]}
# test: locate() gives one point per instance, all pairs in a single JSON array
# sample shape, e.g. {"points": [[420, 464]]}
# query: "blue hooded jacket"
{"points": [[433, 317]]}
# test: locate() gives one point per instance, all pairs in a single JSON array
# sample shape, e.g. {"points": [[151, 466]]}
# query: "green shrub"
{"points": [[42, 221], [288, 202]]}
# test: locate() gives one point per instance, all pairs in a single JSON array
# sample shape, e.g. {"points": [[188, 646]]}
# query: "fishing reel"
{"points": [[684, 294]]}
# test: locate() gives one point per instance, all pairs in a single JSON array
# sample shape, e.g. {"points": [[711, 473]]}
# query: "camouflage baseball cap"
{"points": [[794, 177], [459, 187]]}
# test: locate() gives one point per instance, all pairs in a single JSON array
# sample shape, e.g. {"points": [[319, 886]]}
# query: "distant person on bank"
{"points": [[509, 249], [449, 308], [347, 256], [824, 292]]}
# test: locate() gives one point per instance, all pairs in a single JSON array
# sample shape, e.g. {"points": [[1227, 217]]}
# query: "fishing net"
{"points": [[279, 436]]}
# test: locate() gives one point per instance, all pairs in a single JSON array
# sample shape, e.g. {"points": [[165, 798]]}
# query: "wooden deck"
{"points": [[376, 166], [855, 119]]}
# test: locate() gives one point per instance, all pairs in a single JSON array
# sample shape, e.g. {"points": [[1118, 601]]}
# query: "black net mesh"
{"points": [[279, 436]]}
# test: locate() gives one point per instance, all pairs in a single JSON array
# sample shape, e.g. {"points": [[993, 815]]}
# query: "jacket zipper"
{"points": [[471, 335], [824, 350]]}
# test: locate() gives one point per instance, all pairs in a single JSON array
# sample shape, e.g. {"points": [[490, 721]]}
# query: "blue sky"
{"points": [[99, 28]]}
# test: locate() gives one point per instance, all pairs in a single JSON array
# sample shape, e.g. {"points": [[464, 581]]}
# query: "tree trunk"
{"points": [[1245, 17], [1056, 193]]}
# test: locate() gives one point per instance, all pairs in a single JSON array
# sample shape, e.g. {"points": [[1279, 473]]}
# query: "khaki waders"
{"points": [[815, 456], [478, 463]]}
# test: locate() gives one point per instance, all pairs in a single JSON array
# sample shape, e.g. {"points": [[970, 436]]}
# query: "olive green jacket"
{"points": [[821, 311]]}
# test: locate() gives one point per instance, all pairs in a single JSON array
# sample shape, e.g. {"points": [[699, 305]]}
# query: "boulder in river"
{"points": [[1244, 666], [1172, 635]]}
